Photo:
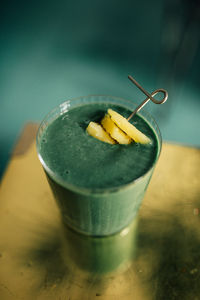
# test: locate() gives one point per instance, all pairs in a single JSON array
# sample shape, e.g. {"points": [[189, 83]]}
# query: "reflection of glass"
{"points": [[96, 212], [100, 254]]}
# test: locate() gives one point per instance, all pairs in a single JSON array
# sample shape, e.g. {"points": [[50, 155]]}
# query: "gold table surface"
{"points": [[166, 261]]}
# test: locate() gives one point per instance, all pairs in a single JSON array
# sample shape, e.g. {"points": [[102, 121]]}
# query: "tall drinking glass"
{"points": [[97, 212]]}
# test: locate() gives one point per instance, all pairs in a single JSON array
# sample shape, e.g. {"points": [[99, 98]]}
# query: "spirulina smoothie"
{"points": [[98, 186]]}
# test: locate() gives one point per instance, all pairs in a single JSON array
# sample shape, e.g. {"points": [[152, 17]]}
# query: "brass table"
{"points": [[157, 258]]}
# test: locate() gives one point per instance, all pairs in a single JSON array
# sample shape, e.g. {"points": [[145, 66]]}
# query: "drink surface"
{"points": [[78, 159]]}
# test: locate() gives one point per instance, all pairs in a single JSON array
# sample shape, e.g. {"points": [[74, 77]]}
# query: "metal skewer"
{"points": [[149, 97]]}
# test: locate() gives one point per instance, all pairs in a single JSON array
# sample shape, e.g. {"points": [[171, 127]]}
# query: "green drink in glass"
{"points": [[99, 187]]}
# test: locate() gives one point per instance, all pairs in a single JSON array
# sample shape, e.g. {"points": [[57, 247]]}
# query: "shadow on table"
{"points": [[162, 253], [168, 252]]}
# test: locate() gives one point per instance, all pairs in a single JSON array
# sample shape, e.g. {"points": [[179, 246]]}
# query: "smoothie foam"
{"points": [[83, 161]]}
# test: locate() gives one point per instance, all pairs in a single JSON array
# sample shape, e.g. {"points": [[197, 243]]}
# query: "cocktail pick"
{"points": [[149, 97]]}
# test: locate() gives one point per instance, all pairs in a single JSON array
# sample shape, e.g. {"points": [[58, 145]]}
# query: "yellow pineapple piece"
{"points": [[115, 132], [128, 128], [96, 130]]}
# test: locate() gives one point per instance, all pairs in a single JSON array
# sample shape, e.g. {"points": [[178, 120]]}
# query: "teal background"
{"points": [[51, 51]]}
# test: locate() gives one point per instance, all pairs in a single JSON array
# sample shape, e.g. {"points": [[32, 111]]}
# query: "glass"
{"points": [[108, 210], [100, 254]]}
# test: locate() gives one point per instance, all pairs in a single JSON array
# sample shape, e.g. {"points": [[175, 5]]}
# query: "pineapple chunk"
{"points": [[115, 132], [128, 128], [99, 133]]}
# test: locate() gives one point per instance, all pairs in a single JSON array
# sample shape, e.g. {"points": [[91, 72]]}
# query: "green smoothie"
{"points": [[98, 186], [81, 160]]}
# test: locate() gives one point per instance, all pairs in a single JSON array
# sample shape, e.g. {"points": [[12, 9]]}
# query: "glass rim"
{"points": [[64, 107]]}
